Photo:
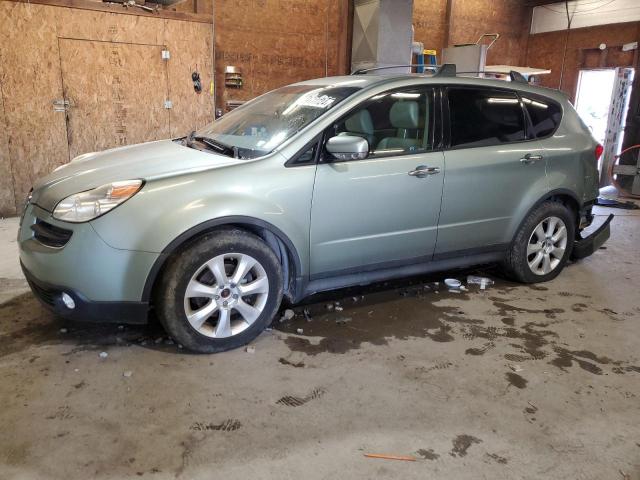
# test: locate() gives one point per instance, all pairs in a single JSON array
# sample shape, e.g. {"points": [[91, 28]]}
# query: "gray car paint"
{"points": [[185, 188]]}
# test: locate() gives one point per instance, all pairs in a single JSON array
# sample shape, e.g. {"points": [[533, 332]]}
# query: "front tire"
{"points": [[543, 244], [220, 291]]}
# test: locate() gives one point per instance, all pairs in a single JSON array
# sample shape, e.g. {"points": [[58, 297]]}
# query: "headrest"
{"points": [[360, 122], [404, 114]]}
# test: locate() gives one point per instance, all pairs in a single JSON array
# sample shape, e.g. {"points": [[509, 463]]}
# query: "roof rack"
{"points": [[445, 70], [513, 75]]}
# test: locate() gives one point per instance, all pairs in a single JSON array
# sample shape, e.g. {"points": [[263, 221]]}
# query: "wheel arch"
{"points": [[561, 195], [272, 235]]}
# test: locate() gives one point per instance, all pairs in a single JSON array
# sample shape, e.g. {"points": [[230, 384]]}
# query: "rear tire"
{"points": [[219, 292], [542, 245]]}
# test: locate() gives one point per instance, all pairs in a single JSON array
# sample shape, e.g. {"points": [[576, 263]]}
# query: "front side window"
{"points": [[484, 117], [261, 125], [545, 116], [393, 123]]}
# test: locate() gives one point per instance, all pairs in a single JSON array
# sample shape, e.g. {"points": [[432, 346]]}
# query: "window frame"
{"points": [[447, 125], [317, 142], [541, 99], [325, 157]]}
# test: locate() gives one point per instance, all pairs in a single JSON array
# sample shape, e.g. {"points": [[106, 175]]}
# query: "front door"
{"points": [[383, 210], [493, 171]]}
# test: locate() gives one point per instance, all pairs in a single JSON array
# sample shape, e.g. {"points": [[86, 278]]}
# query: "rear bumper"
{"points": [[586, 246], [85, 310]]}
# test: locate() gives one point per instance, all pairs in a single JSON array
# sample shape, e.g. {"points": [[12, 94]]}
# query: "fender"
{"points": [[544, 198], [208, 225]]}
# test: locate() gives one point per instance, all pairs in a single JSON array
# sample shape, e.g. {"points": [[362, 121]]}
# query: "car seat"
{"points": [[360, 125], [404, 116]]}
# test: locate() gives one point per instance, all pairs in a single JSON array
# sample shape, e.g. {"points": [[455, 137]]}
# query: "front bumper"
{"points": [[586, 246], [85, 310], [105, 283]]}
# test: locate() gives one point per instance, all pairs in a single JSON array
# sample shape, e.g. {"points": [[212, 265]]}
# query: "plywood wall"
{"points": [[277, 42], [36, 135]]}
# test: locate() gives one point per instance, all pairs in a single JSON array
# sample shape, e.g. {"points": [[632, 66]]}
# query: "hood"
{"points": [[145, 161]]}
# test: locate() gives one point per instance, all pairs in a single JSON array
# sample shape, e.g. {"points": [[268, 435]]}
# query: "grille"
{"points": [[50, 235], [44, 294]]}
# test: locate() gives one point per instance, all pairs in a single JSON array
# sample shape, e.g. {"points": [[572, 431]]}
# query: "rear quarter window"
{"points": [[545, 116], [485, 117]]}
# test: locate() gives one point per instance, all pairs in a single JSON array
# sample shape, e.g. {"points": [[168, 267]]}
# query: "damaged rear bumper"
{"points": [[586, 246]]}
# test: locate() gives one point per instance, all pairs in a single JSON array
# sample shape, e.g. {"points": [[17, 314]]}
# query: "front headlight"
{"points": [[85, 206]]}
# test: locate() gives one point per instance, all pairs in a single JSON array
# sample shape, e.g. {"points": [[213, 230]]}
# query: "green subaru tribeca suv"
{"points": [[311, 187]]}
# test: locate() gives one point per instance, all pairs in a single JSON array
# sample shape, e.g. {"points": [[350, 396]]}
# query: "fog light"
{"points": [[68, 301]]}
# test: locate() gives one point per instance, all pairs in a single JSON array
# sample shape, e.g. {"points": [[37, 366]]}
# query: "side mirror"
{"points": [[348, 147]]}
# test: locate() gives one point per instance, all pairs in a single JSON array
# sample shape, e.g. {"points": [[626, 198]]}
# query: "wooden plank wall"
{"points": [[31, 79]]}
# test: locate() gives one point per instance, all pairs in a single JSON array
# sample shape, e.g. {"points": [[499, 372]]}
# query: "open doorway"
{"points": [[593, 100], [602, 101]]}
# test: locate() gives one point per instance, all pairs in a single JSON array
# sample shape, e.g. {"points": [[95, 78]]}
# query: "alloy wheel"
{"points": [[226, 295], [547, 245]]}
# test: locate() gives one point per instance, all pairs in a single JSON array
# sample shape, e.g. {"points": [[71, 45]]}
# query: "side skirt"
{"points": [[368, 277]]}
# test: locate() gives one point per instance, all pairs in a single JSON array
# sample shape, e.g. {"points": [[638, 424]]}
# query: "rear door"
{"points": [[493, 170], [381, 211]]}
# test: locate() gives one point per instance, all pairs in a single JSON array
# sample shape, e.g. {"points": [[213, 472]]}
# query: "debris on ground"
{"points": [[330, 306], [63, 330], [299, 331], [516, 368], [452, 283], [251, 349], [343, 320], [127, 373], [158, 340], [612, 203], [307, 314], [120, 327], [384, 456], [103, 355], [483, 282], [338, 307], [287, 315]]}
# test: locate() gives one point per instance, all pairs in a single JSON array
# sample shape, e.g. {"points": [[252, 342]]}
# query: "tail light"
{"points": [[598, 152]]}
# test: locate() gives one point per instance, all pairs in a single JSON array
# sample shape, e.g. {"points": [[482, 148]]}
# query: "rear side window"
{"points": [[545, 116], [484, 117]]}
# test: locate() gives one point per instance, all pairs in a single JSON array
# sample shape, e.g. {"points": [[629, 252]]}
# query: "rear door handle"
{"points": [[528, 158], [422, 171]]}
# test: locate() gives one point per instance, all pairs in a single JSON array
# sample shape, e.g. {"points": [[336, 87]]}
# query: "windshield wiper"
{"points": [[217, 146]]}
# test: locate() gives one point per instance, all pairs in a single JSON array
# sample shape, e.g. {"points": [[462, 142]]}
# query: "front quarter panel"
{"points": [[166, 208]]}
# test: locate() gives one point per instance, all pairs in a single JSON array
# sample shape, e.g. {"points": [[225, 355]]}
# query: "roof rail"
{"points": [[513, 75], [517, 77], [362, 71], [446, 70]]}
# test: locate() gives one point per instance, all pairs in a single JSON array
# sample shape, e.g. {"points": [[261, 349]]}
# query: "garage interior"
{"points": [[508, 381]]}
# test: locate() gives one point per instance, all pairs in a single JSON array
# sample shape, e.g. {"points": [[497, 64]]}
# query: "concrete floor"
{"points": [[516, 382]]}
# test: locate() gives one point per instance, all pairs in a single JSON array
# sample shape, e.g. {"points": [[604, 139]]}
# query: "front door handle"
{"points": [[528, 158], [422, 171]]}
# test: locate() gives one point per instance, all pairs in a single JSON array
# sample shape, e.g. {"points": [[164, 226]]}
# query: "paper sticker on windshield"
{"points": [[314, 100]]}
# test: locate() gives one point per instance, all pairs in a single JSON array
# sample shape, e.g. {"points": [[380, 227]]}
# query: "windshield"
{"points": [[261, 125]]}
